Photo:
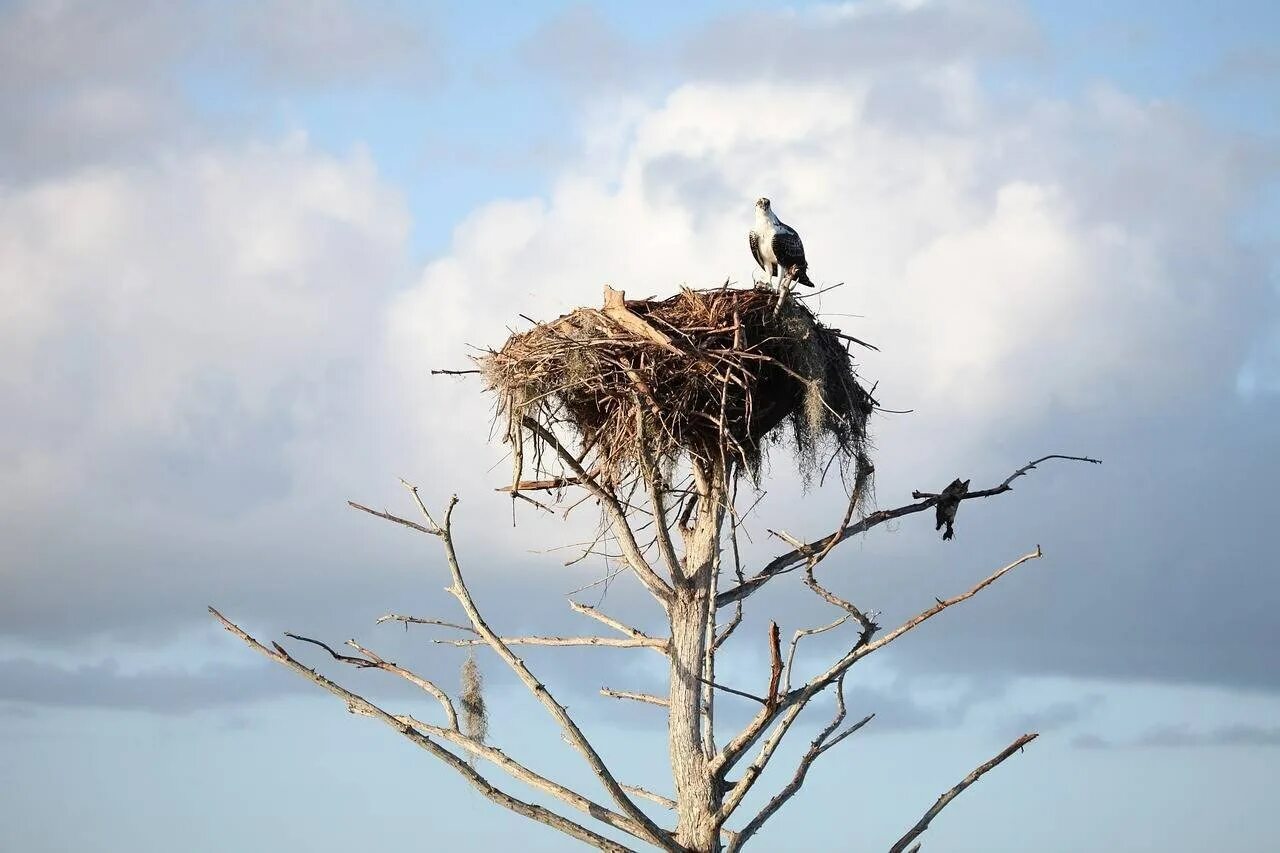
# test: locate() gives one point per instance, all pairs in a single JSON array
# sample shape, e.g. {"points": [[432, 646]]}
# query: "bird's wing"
{"points": [[788, 249], [754, 239]]}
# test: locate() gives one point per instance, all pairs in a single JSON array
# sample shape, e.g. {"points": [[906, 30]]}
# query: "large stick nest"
{"points": [[710, 375]]}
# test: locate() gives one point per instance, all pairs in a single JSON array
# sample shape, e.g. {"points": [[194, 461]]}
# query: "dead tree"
{"points": [[655, 410]]}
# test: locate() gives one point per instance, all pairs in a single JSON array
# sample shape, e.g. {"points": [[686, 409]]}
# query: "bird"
{"points": [[948, 503], [777, 248]]}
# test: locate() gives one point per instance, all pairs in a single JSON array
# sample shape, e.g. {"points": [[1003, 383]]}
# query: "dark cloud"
{"points": [[1154, 567], [1181, 737], [1055, 716], [169, 691]]}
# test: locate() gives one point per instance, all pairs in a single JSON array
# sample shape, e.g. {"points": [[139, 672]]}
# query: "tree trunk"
{"points": [[697, 794]]}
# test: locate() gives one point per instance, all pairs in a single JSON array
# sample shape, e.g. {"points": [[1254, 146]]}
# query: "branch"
{"points": [[546, 485], [615, 642], [647, 698], [795, 641], [413, 678], [868, 624], [363, 706], [665, 802], [1005, 486], [418, 620], [659, 588], [372, 660], [950, 795], [412, 525], [744, 694], [633, 633], [783, 562]]}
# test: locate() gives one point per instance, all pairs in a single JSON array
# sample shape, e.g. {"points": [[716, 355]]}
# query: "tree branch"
{"points": [[418, 620], [647, 698], [1005, 486], [795, 641], [363, 706], [621, 627], [615, 642], [950, 795], [780, 564], [413, 678], [412, 525]]}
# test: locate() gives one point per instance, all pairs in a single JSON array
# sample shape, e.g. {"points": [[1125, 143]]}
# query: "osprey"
{"points": [[777, 247]]}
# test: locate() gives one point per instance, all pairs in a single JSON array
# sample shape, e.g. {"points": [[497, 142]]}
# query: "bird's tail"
{"points": [[802, 276]]}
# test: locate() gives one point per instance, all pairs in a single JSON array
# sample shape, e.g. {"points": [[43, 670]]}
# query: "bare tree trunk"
{"points": [[697, 794]]}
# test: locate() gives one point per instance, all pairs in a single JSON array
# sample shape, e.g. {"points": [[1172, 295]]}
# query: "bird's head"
{"points": [[762, 204]]}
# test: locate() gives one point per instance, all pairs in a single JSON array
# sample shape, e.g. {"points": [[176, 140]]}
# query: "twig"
{"points": [[665, 802], [795, 641], [633, 633], [453, 372], [1005, 486], [413, 678], [854, 340], [354, 661], [412, 525], [647, 698], [744, 694], [950, 795], [615, 642], [417, 620]]}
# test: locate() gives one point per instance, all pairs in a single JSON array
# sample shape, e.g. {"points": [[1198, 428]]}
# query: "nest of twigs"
{"points": [[709, 375]]}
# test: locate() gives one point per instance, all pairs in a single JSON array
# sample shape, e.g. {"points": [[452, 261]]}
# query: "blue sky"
{"points": [[234, 238]]}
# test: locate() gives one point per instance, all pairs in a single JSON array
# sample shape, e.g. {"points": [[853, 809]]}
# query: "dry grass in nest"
{"points": [[708, 375]]}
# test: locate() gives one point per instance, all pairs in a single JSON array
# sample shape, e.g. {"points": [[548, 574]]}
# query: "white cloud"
{"points": [[147, 302]]}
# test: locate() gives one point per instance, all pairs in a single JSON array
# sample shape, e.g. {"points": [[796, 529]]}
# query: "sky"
{"points": [[236, 237]]}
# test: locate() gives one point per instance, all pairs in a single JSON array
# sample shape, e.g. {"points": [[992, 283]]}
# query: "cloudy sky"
{"points": [[235, 237]]}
